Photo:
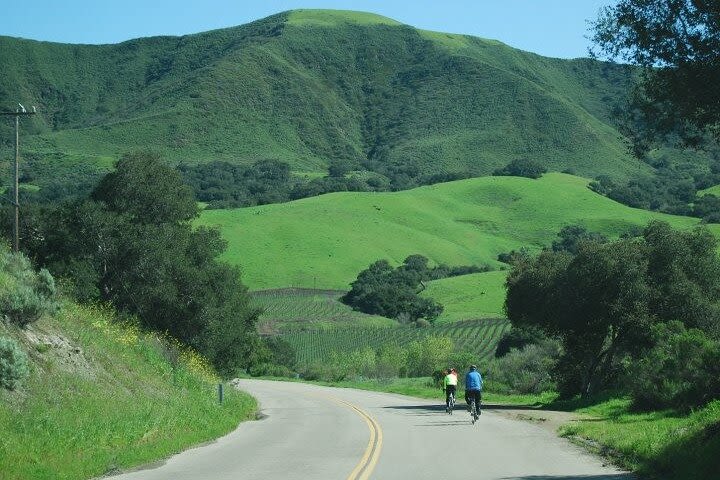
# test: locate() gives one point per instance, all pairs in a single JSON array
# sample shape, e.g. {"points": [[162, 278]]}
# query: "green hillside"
{"points": [[310, 86], [479, 295], [715, 190], [325, 241], [101, 394]]}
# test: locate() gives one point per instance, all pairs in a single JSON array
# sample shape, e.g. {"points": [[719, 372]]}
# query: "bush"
{"points": [[13, 364], [270, 370], [681, 371], [26, 295], [529, 370], [521, 167], [518, 338]]}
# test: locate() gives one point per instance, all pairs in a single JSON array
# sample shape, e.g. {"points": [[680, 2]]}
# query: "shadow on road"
{"points": [[496, 406], [609, 476], [419, 409]]}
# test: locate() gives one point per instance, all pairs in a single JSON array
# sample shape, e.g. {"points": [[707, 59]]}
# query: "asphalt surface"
{"points": [[312, 432]]}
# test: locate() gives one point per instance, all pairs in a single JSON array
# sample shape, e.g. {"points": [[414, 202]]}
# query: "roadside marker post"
{"points": [[220, 393]]}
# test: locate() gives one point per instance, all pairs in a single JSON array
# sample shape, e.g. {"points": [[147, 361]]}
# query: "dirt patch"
{"points": [[550, 420], [53, 347]]}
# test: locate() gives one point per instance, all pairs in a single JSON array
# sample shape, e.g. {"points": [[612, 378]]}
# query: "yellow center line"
{"points": [[368, 461]]}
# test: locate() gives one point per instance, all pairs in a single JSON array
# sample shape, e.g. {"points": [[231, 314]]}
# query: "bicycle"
{"points": [[451, 404], [473, 412]]}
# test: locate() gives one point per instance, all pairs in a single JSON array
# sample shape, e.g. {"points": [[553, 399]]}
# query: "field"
{"points": [[304, 309], [479, 295], [323, 242], [479, 337]]}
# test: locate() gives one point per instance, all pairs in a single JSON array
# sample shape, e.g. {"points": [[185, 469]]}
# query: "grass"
{"points": [[128, 399], [479, 337], [325, 241], [304, 309], [659, 444], [479, 295], [715, 190]]}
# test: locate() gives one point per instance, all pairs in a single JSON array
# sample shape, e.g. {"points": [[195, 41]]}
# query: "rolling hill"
{"points": [[308, 87], [323, 242]]}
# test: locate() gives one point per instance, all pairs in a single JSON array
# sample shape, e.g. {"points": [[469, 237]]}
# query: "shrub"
{"points": [[26, 295], [681, 371], [521, 167], [13, 364], [270, 370], [526, 371], [518, 338]]}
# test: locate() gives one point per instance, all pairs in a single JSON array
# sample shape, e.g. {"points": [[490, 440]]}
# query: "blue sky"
{"points": [[549, 27]]}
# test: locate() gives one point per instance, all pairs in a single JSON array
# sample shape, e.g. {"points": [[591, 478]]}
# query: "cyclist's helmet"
{"points": [[473, 367]]}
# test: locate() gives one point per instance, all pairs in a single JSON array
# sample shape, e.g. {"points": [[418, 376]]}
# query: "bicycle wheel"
{"points": [[473, 416], [451, 403]]}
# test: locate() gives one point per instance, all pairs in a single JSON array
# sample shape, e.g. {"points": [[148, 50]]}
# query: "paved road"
{"points": [[319, 433]]}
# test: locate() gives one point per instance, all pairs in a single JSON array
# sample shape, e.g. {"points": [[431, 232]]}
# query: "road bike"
{"points": [[474, 413], [451, 404]]}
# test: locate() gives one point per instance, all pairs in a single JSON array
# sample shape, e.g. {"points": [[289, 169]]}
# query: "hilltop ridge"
{"points": [[309, 87]]}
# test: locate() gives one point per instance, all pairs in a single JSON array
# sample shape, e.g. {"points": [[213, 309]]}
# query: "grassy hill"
{"points": [[325, 241], [103, 396], [479, 295], [308, 86]]}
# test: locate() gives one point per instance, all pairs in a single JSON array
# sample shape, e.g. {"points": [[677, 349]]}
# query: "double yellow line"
{"points": [[367, 463]]}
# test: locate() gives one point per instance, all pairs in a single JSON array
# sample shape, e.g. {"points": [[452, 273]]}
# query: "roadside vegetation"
{"points": [[85, 391]]}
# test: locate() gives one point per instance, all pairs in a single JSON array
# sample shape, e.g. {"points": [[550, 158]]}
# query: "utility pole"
{"points": [[16, 190]]}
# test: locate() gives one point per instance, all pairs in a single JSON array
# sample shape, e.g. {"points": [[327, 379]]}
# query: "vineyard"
{"points": [[475, 336], [290, 309]]}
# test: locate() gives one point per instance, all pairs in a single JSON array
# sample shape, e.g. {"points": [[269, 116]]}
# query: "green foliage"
{"points": [[382, 290], [677, 43], [25, 295], [282, 353], [145, 189], [603, 301], [571, 236], [521, 167], [676, 187], [528, 369], [394, 100], [660, 444], [477, 337], [518, 338], [13, 364], [119, 399], [681, 371], [133, 245]]}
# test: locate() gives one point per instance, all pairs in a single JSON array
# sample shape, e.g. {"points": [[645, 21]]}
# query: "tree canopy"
{"points": [[603, 300], [678, 44]]}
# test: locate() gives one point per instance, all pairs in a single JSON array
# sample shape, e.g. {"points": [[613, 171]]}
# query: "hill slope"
{"points": [[325, 241], [310, 86], [102, 395]]}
